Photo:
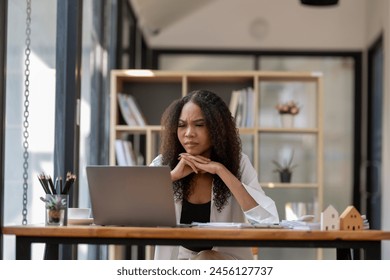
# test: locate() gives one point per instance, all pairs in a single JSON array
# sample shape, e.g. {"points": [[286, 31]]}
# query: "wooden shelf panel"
{"points": [[142, 129], [222, 76]]}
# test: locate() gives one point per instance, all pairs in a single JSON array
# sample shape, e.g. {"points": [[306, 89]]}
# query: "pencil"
{"points": [[69, 181], [51, 184], [55, 186], [60, 190], [44, 186]]}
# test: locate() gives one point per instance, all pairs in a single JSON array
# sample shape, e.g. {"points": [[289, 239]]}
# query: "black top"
{"points": [[195, 213]]}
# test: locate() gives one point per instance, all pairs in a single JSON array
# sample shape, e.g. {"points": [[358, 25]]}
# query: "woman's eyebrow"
{"points": [[199, 120]]}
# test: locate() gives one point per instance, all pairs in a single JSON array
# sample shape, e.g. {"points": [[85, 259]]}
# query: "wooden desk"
{"points": [[368, 240]]}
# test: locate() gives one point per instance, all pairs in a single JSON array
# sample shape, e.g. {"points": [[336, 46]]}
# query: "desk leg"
{"points": [[140, 252], [373, 252], [343, 254], [51, 251], [348, 254], [23, 248]]}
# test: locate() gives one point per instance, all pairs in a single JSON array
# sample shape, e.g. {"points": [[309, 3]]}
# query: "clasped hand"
{"points": [[199, 164]]}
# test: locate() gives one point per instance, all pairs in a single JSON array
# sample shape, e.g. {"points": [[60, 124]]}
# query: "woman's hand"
{"points": [[187, 165], [201, 164]]}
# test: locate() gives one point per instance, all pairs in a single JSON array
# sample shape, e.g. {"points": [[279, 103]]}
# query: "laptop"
{"points": [[131, 195]]}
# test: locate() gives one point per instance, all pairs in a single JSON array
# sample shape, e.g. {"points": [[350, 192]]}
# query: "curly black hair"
{"points": [[224, 135]]}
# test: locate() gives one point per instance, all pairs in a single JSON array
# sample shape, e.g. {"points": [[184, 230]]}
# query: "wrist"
{"points": [[220, 170]]}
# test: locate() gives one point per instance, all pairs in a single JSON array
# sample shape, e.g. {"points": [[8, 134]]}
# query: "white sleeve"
{"points": [[157, 161], [266, 211]]}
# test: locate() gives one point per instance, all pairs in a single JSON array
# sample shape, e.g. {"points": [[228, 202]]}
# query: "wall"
{"points": [[276, 25]]}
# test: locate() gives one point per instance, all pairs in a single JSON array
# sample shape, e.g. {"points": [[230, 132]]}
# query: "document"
{"points": [[222, 225], [236, 225]]}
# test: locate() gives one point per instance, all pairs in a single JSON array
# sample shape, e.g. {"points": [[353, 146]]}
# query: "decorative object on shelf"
{"points": [[287, 120], [287, 112], [285, 169]]}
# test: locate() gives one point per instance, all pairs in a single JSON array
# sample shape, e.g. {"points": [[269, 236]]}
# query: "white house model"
{"points": [[330, 219], [351, 219]]}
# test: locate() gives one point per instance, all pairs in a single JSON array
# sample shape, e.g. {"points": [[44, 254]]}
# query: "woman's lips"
{"points": [[190, 144]]}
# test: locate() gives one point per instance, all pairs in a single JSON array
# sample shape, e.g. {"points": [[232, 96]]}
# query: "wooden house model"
{"points": [[330, 219], [351, 219]]}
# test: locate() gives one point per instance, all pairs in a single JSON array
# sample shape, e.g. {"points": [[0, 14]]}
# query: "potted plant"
{"points": [[290, 107], [285, 168], [55, 208], [287, 112]]}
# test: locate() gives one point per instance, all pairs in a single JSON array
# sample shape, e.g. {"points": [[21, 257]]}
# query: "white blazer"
{"points": [[265, 212]]}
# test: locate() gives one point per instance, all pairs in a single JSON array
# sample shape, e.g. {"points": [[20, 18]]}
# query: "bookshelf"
{"points": [[264, 139]]}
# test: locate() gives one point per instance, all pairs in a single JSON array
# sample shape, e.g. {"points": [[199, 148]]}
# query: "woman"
{"points": [[213, 181]]}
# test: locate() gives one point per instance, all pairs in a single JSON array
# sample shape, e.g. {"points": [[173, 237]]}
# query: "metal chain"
{"points": [[26, 110]]}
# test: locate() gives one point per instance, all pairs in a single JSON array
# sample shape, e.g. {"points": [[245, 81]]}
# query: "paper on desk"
{"points": [[222, 225], [237, 225], [300, 225]]}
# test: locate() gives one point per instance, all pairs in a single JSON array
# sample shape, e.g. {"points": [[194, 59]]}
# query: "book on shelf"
{"points": [[126, 110], [125, 154], [130, 154], [130, 110], [234, 102], [242, 107], [120, 153]]}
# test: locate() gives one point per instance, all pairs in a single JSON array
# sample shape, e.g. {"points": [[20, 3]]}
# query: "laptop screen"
{"points": [[131, 195]]}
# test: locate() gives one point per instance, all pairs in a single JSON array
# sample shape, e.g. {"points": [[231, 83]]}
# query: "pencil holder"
{"points": [[56, 206]]}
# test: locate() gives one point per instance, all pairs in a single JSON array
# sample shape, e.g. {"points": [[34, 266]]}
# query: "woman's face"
{"points": [[192, 131]]}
